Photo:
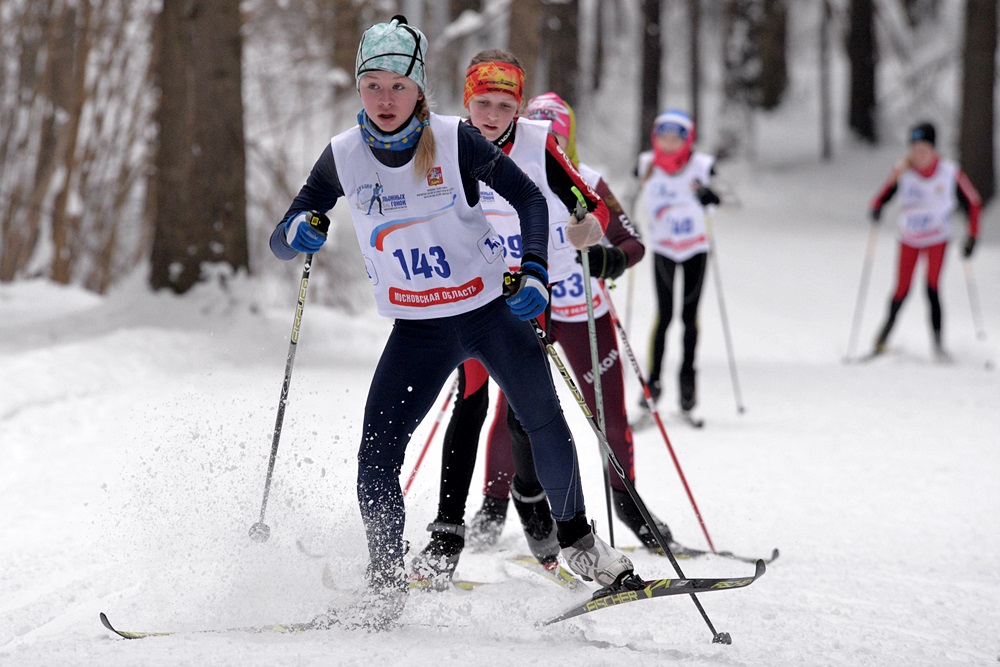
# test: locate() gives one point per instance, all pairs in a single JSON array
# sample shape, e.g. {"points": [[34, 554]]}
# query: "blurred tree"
{"points": [[862, 55], [978, 111], [756, 71], [200, 191], [74, 108], [825, 96], [694, 44], [526, 18], [652, 63], [561, 38]]}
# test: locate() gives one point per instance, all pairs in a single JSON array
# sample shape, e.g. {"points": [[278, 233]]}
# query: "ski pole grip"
{"points": [[319, 221], [509, 284]]}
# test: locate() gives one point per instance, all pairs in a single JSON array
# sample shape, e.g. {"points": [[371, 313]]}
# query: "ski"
{"points": [[604, 599], [682, 552], [278, 628], [689, 419], [330, 581], [864, 358], [646, 420], [557, 574]]}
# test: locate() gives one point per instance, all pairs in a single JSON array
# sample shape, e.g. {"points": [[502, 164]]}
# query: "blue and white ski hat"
{"points": [[923, 132], [674, 121], [392, 47]]}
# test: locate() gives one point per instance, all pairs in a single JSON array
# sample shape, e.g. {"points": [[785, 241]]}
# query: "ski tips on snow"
{"points": [[606, 598]]}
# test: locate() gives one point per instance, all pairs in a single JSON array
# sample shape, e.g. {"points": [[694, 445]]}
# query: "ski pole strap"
{"points": [[580, 212], [438, 527]]}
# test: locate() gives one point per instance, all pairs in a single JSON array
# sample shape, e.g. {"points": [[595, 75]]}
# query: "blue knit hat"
{"points": [[392, 47], [923, 132]]}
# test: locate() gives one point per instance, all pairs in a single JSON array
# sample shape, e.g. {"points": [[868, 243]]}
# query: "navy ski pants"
{"points": [[416, 362]]}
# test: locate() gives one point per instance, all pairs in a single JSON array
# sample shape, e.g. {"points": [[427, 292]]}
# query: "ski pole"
{"points": [[595, 362], [651, 404], [859, 304], [602, 441], [713, 256], [437, 422], [260, 532], [977, 313]]}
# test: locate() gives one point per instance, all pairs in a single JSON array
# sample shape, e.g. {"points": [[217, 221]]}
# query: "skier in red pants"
{"points": [[929, 187]]}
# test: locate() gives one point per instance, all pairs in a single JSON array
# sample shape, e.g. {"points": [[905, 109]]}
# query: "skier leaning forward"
{"points": [[444, 316]]}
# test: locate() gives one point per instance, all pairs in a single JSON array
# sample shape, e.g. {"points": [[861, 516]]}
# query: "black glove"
{"points": [[606, 262], [876, 213], [706, 196], [970, 245]]}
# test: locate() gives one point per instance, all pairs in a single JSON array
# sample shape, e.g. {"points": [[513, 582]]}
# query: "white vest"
{"points": [[569, 299], [427, 252], [926, 205], [528, 152], [677, 230]]}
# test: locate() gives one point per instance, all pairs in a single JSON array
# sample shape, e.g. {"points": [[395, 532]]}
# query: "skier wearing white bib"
{"points": [[437, 267], [676, 192], [929, 188]]}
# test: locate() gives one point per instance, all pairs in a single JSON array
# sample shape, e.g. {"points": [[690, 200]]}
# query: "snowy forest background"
{"points": [[144, 328], [248, 92]]}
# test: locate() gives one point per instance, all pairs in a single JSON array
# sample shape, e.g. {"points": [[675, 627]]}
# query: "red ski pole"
{"points": [[656, 415], [437, 422]]}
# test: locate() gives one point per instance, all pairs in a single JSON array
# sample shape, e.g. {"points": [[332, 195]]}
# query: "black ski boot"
{"points": [[883, 336], [487, 524], [539, 528], [628, 513], [435, 565]]}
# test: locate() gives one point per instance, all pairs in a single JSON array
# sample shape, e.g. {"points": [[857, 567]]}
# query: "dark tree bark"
{"points": [[652, 54], [694, 43], [978, 112], [825, 97], [526, 18], [861, 52], [561, 38], [772, 49], [200, 211]]}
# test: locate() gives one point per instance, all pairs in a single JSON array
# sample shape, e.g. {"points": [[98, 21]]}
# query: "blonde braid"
{"points": [[424, 158]]}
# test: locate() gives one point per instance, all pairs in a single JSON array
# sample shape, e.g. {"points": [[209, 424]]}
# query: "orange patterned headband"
{"points": [[494, 77]]}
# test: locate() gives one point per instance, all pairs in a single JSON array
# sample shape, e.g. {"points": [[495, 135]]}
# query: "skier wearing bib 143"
{"points": [[437, 267], [929, 187], [675, 192]]}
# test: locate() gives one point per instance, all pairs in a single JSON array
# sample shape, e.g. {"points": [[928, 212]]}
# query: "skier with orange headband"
{"points": [[494, 92]]}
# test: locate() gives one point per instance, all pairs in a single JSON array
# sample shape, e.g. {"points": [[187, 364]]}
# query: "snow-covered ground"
{"points": [[135, 431]]}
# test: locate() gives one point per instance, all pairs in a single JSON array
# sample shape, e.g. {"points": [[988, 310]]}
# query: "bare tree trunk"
{"points": [[771, 45], [652, 55], [978, 113], [561, 37], [526, 18], [825, 113], [71, 54], [201, 198], [861, 52], [694, 18]]}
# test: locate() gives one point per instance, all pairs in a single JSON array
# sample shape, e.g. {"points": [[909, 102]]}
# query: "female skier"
{"points": [[493, 96], [929, 187], [621, 248], [675, 191], [437, 268]]}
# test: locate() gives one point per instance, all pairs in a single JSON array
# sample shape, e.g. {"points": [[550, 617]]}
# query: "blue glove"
{"points": [[531, 293], [306, 231]]}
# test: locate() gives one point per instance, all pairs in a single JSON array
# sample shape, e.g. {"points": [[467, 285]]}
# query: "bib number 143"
{"points": [[423, 264]]}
